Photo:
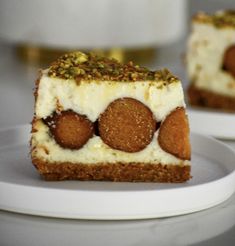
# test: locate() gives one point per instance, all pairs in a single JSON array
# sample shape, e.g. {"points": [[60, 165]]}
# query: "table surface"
{"points": [[215, 226]]}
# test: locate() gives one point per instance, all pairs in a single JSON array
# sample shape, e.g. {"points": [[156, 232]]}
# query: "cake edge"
{"points": [[208, 99], [119, 172], [220, 19]]}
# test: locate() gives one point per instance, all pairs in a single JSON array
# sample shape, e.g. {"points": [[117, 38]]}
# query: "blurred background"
{"points": [[152, 33]]}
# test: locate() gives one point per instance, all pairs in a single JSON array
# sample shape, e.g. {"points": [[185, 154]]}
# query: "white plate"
{"points": [[21, 189], [216, 124]]}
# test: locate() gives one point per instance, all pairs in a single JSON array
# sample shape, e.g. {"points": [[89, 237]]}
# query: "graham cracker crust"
{"points": [[123, 172], [204, 98]]}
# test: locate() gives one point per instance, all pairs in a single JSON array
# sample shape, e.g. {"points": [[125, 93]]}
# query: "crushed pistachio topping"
{"points": [[220, 19], [80, 66]]}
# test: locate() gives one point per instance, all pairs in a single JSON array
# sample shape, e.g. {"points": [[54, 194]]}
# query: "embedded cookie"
{"points": [[174, 134], [69, 129], [127, 125]]}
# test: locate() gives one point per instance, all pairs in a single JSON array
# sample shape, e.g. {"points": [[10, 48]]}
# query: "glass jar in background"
{"points": [[126, 29]]}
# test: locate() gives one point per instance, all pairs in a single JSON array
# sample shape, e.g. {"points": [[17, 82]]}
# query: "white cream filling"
{"points": [[95, 151], [92, 98], [206, 47]]}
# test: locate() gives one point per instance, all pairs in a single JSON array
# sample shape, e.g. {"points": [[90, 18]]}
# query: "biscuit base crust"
{"points": [[122, 172], [204, 98]]}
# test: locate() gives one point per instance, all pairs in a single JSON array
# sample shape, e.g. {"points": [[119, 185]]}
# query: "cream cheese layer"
{"points": [[91, 98], [206, 47]]}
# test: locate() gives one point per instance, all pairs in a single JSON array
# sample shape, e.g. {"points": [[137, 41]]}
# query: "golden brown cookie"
{"points": [[229, 60], [174, 134], [127, 125], [70, 130]]}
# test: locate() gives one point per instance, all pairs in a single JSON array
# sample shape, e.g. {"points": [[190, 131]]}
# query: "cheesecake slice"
{"points": [[97, 119], [211, 61]]}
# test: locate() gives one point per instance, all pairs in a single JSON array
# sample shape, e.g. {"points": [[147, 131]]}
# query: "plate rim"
{"points": [[226, 178], [192, 112]]}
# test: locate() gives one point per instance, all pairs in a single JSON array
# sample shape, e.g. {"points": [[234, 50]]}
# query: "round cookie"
{"points": [[229, 60], [70, 130], [127, 125], [174, 134]]}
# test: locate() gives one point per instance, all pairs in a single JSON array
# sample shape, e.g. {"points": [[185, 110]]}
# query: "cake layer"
{"points": [[95, 151], [206, 48], [91, 98], [205, 98], [131, 172]]}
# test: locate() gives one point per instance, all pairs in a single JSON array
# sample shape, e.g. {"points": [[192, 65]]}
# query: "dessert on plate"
{"points": [[211, 61], [98, 119]]}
